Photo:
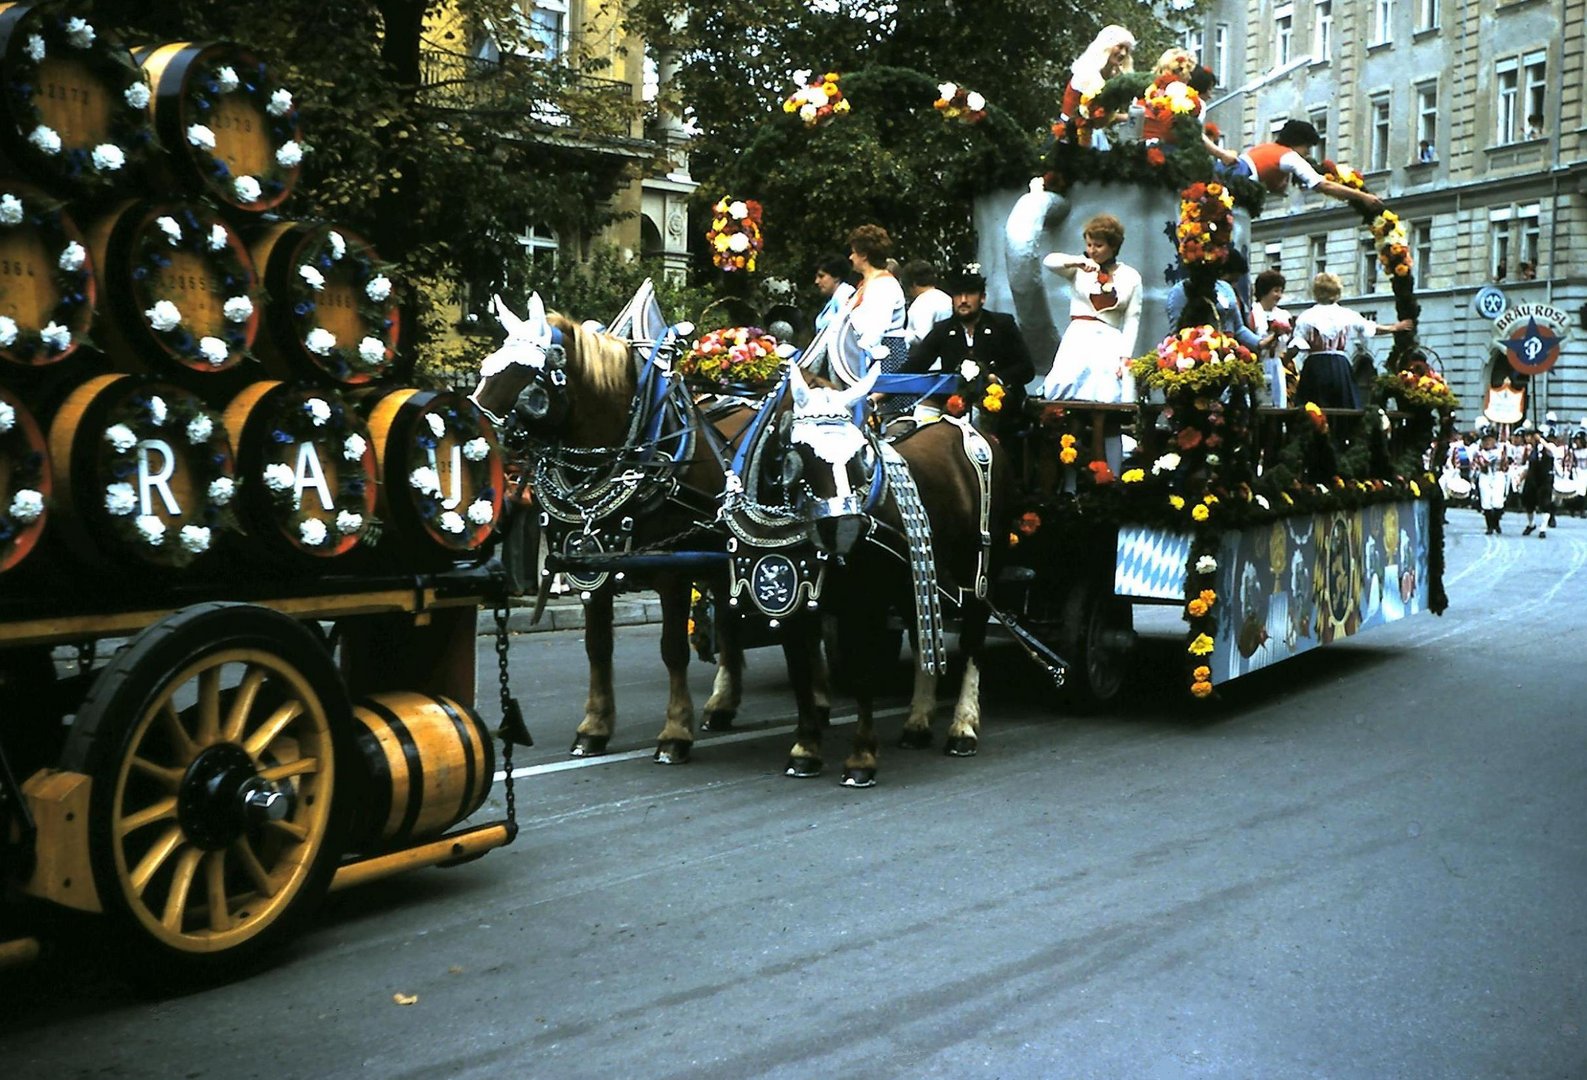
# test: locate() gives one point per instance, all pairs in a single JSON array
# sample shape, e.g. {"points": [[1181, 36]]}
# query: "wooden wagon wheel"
{"points": [[1095, 637], [219, 744]]}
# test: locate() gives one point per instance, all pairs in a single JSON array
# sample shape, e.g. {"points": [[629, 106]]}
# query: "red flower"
{"points": [[955, 405], [1028, 523], [1191, 250], [1188, 438], [1100, 472], [1155, 157]]}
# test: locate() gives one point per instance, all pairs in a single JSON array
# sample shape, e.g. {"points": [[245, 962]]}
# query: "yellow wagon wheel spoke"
{"points": [[252, 867], [181, 884], [215, 880], [168, 777], [272, 727], [163, 810], [155, 858], [242, 704], [300, 767], [185, 747]]}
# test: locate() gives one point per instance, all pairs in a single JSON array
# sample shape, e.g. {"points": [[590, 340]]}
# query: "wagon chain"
{"points": [[511, 715]]}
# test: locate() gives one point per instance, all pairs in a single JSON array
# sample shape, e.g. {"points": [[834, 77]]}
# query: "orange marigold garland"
{"points": [[1206, 224]]}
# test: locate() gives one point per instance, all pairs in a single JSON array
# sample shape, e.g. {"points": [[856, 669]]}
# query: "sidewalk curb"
{"points": [[567, 613]]}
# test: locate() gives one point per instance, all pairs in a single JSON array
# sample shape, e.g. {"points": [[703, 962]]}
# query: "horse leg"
{"points": [[862, 641], [922, 709], [677, 734], [965, 732], [727, 690], [801, 647], [600, 709]]}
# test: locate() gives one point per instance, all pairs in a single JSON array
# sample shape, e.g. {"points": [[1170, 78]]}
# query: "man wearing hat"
{"points": [[991, 340], [1275, 164]]}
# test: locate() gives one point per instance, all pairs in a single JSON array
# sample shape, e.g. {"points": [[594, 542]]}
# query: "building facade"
{"points": [[1467, 117]]}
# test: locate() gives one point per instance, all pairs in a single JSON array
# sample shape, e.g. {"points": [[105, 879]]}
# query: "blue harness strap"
{"points": [[757, 425]]}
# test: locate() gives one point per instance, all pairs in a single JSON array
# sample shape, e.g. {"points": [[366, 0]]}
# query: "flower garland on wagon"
{"points": [[309, 420], [214, 242], [979, 388], [818, 102], [206, 88], [735, 237], [375, 308], [1198, 358], [42, 34], [1206, 224], [432, 426], [72, 275], [738, 357], [26, 478], [186, 421], [955, 102]]}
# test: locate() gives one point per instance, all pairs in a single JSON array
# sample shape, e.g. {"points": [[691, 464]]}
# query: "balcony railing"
{"points": [[544, 91]]}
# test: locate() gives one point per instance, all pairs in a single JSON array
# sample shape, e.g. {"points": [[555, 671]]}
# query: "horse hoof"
{"points": [[673, 752], [961, 746], [718, 720], [802, 768], [589, 745], [915, 738], [859, 778]]}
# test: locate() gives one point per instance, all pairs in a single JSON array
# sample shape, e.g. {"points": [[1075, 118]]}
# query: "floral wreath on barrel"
{"points": [[27, 476], [434, 424], [72, 275], [374, 308], [206, 88], [308, 421], [188, 424], [183, 231], [72, 35]]}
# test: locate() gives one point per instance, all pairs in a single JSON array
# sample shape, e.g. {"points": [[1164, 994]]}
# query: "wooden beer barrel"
{"points": [[428, 761], [25, 485], [441, 473], [180, 294], [333, 314], [143, 471], [228, 127], [47, 289], [307, 470], [76, 107]]}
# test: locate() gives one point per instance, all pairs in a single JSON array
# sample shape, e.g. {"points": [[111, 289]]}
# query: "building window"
{"points": [[1322, 38], [1507, 115], [1534, 81], [1319, 120], [1427, 15], [1369, 266], [1382, 21], [1273, 252], [1220, 54], [1317, 257], [1427, 123], [1195, 39], [1379, 157], [548, 24], [1515, 233], [1274, 126], [1283, 34], [1422, 249], [541, 247]]}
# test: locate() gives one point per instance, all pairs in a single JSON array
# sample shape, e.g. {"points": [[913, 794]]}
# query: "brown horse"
{"points": [[965, 506], [620, 464]]}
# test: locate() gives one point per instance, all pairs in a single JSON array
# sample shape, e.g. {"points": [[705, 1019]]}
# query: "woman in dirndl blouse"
{"points": [[1329, 334], [1093, 359]]}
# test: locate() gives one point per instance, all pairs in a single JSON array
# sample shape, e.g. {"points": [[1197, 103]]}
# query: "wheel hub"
{"points": [[222, 795]]}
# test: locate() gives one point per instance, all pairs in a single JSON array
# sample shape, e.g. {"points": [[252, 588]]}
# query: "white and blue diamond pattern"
{"points": [[1151, 563]]}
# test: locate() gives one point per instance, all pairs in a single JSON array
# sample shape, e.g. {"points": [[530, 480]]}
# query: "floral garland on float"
{"points": [[71, 273], [245, 79], [735, 237], [324, 257], [24, 482], [817, 102], [227, 276], [978, 388], [1206, 225], [168, 421], [46, 46], [1166, 99], [732, 360], [478, 458], [954, 102]]}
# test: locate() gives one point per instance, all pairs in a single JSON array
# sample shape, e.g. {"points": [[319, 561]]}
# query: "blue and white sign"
{"points": [[1489, 302]]}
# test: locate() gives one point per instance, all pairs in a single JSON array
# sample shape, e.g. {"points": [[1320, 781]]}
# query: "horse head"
{"points": [[523, 385], [833, 460]]}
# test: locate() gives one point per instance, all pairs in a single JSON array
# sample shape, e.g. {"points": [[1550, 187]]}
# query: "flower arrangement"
{"points": [[735, 236], [248, 78], [72, 273], [62, 31], [1342, 174], [734, 358], [1168, 96], [978, 387], [328, 424], [27, 482], [1201, 598], [1206, 224], [199, 231], [182, 424], [1418, 385], [1388, 237], [1197, 358], [818, 102], [477, 456], [327, 254], [954, 102]]}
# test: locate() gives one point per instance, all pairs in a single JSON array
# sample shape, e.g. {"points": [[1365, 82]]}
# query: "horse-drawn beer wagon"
{"points": [[241, 564]]}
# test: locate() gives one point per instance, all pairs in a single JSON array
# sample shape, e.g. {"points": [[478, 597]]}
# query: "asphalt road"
{"points": [[1367, 862]]}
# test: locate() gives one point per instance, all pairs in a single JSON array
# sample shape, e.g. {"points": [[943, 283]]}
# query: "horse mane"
{"points": [[601, 361]]}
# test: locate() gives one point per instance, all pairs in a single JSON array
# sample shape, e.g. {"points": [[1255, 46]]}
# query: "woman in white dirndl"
{"points": [[1092, 363]]}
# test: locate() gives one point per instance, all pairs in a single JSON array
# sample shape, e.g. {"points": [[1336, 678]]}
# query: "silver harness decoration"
{"points": [[979, 451], [922, 562]]}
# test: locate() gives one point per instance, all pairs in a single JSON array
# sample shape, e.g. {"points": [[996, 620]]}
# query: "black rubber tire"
{"points": [[1096, 672], [118, 720]]}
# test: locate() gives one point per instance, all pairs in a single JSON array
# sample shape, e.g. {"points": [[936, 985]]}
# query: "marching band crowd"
{"points": [[1539, 471]]}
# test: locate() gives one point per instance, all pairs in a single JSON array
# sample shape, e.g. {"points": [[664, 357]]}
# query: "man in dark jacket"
{"points": [[989, 339]]}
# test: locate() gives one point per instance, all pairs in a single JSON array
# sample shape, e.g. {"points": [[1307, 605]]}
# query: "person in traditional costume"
{"points": [[975, 339], [1274, 164], [1092, 363], [1329, 334], [1537, 497], [1489, 461], [831, 280], [878, 308], [1110, 53]]}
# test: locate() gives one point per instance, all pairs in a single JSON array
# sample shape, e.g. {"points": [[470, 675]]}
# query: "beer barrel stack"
{"points": [[191, 379]]}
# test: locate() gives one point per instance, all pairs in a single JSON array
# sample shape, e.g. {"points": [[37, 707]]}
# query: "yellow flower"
{"points": [[1416, 491], [1201, 689], [995, 404], [1013, 539], [1210, 500], [830, 89], [831, 77], [1202, 673], [842, 106], [1200, 512], [1196, 608], [1068, 455], [1287, 500], [1133, 476], [721, 243], [1176, 502], [1066, 441], [1202, 645], [1208, 597]]}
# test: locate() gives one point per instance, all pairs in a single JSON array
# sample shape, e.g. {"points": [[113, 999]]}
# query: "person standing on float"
{"points": [[1274, 164], [1110, 53], [878, 308]]}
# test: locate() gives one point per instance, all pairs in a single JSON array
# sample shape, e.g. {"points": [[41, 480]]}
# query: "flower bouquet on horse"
{"points": [[742, 360]]}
